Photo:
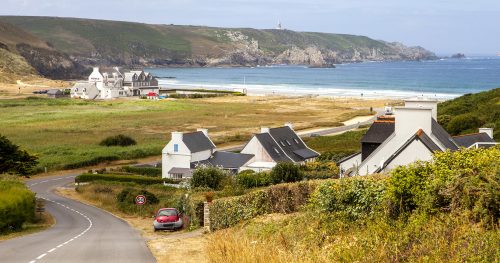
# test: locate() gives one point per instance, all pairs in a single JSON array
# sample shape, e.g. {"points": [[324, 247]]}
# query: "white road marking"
{"points": [[65, 243]]}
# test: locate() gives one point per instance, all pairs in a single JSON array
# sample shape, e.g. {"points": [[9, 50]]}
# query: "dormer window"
{"points": [[176, 148]]}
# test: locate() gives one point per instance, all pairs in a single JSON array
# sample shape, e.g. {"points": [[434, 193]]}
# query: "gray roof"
{"points": [[470, 139], [54, 92], [186, 172], [443, 136], [378, 132], [229, 159], [197, 141], [273, 149], [291, 144]]}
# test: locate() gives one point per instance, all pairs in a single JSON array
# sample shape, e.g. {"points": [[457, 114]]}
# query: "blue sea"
{"points": [[442, 79]]}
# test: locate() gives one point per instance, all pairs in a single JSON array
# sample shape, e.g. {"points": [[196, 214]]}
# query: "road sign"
{"points": [[140, 200]]}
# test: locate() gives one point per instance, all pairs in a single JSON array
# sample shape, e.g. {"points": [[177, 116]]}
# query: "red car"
{"points": [[167, 219]]}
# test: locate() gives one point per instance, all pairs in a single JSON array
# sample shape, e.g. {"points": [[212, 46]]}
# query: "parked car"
{"points": [[167, 219]]}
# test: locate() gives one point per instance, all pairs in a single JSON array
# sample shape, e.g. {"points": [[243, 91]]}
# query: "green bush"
{"points": [[122, 178], [251, 179], [210, 177], [350, 198], [463, 123], [283, 198], [14, 160], [17, 204], [127, 196], [147, 171], [286, 173], [118, 140], [466, 180]]}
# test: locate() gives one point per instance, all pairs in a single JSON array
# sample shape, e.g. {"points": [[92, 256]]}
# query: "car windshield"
{"points": [[167, 212]]}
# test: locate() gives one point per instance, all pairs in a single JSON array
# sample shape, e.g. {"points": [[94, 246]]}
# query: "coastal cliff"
{"points": [[86, 42]]}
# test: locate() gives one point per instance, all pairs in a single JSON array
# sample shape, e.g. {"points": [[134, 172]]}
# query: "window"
{"points": [[276, 150], [282, 143], [296, 141], [287, 142], [176, 148]]}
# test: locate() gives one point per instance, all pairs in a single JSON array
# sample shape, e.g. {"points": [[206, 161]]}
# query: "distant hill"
{"points": [[23, 54], [100, 42], [468, 113]]}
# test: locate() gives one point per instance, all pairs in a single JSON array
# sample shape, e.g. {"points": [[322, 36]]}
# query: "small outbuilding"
{"points": [[55, 93]]}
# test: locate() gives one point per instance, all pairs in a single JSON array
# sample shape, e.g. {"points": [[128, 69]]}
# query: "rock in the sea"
{"points": [[458, 55]]}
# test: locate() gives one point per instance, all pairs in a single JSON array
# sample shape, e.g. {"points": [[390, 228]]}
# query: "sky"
{"points": [[442, 26]]}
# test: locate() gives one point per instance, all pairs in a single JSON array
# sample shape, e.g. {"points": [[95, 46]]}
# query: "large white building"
{"points": [[412, 134], [113, 83]]}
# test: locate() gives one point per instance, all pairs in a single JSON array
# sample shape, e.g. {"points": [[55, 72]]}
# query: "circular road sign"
{"points": [[140, 200]]}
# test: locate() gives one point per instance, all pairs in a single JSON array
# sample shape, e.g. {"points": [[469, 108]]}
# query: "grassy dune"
{"points": [[64, 132]]}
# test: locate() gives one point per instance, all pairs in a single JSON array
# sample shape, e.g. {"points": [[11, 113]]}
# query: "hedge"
{"points": [[17, 205], [283, 198], [146, 171], [122, 178]]}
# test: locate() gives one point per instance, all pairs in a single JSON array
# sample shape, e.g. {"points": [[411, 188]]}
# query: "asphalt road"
{"points": [[82, 233]]}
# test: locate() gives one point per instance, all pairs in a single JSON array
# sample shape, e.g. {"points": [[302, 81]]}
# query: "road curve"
{"points": [[82, 233]]}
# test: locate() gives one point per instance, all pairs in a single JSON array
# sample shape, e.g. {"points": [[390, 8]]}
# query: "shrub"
{"points": [[210, 177], [14, 160], [127, 196], [147, 171], [462, 123], [118, 140], [454, 181], [286, 172], [122, 178], [17, 204], [320, 170], [284, 198], [251, 179], [349, 198]]}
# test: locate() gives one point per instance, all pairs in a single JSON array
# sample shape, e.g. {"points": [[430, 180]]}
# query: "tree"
{"points": [[286, 173], [13, 160], [210, 177]]}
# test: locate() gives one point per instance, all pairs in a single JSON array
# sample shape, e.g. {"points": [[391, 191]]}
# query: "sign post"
{"points": [[140, 200]]}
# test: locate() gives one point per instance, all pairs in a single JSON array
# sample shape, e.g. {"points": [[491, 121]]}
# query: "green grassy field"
{"points": [[66, 133]]}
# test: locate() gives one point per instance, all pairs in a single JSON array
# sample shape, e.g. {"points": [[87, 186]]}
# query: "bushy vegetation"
{"points": [[118, 140], [283, 198], [469, 112], [320, 170], [286, 172], [142, 180], [14, 160], [439, 211], [17, 204], [146, 171], [209, 177], [251, 179]]}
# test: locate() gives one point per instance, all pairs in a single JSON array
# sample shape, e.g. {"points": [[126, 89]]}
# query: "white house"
{"points": [[275, 145], [85, 90], [411, 134], [112, 83], [186, 151]]}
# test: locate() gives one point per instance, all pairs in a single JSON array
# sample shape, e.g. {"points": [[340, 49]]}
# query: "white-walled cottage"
{"points": [[274, 145], [411, 134]]}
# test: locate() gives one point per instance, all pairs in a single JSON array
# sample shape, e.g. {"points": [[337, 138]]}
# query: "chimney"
{"points": [[488, 131], [264, 130], [410, 119], [176, 136], [289, 124], [422, 103], [96, 69], [205, 131]]}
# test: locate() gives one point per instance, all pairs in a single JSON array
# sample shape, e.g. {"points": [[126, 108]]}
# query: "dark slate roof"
{"points": [[306, 153], [197, 141], [443, 136], [469, 139], [291, 144], [272, 148], [379, 131], [229, 159], [419, 135]]}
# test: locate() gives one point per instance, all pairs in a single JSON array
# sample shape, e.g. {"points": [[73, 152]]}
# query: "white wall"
{"points": [[254, 147], [432, 104], [414, 152], [97, 78], [201, 156], [350, 163], [170, 159]]}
